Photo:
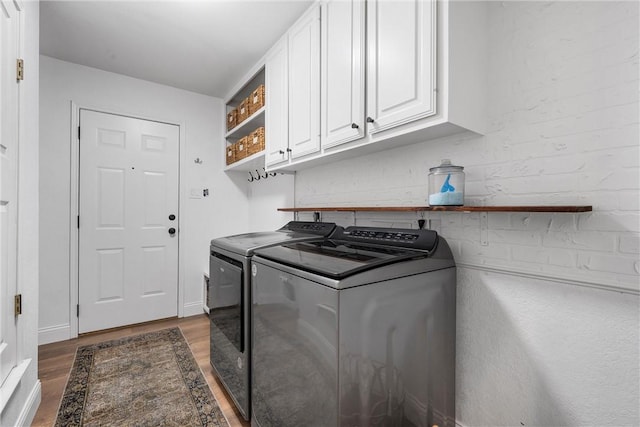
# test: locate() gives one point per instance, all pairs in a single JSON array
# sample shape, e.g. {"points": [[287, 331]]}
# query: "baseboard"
{"points": [[54, 334], [193, 308], [30, 408]]}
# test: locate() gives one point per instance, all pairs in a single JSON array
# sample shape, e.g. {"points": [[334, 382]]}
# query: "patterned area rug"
{"points": [[145, 380]]}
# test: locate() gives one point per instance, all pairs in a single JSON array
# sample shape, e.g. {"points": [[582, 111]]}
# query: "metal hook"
{"points": [[266, 175], [251, 179], [273, 173], [258, 175]]}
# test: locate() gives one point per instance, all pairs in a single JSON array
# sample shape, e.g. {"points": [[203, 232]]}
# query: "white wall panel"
{"points": [[153, 277], [113, 138], [110, 274], [111, 205], [155, 195]]}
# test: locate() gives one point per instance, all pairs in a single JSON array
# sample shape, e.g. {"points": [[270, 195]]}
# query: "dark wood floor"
{"points": [[55, 360]]}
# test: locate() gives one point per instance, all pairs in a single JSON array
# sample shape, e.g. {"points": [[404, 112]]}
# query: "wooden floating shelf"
{"points": [[568, 209]]}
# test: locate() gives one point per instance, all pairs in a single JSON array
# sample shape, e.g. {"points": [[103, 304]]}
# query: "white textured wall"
{"points": [[265, 197], [548, 311], [223, 213]]}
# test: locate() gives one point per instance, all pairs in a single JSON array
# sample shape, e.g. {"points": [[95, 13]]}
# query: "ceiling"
{"points": [[200, 46]]}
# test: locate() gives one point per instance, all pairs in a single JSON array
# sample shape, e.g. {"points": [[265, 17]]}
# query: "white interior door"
{"points": [[9, 121], [128, 254]]}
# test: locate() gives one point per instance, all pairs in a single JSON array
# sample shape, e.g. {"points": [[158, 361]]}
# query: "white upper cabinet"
{"points": [[401, 62], [392, 72], [343, 71], [276, 102], [292, 82], [304, 85]]}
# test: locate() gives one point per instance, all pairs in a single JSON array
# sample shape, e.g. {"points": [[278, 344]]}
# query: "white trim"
{"points": [[11, 383], [192, 309], [54, 334], [30, 407], [74, 200], [182, 209], [73, 229], [611, 287]]}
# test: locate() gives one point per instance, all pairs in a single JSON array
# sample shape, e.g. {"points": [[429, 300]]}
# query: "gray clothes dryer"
{"points": [[229, 302]]}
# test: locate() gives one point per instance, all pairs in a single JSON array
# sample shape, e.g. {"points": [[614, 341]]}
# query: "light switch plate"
{"points": [[195, 193]]}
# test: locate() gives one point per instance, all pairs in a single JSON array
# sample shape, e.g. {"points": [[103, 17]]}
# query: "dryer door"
{"points": [[225, 298]]}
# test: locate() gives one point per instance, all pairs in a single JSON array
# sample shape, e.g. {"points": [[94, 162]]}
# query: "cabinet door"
{"points": [[343, 49], [276, 100], [304, 85], [401, 69]]}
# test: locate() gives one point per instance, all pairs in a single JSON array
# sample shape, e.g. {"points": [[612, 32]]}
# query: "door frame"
{"points": [[74, 232]]}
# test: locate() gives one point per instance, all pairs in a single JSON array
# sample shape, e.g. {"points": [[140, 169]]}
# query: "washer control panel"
{"points": [[402, 237]]}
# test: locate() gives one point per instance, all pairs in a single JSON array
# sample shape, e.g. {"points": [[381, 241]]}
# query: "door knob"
{"points": [[354, 126], [369, 120], [280, 151], [172, 231], [289, 150], [172, 217]]}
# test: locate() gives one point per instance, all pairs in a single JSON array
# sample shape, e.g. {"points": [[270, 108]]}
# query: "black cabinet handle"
{"points": [[172, 231], [289, 150], [280, 151], [172, 217], [354, 126], [369, 120]]}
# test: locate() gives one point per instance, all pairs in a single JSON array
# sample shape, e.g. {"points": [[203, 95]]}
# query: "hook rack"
{"points": [[260, 175]]}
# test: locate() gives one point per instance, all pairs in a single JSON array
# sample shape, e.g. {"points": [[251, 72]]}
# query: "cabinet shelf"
{"points": [[256, 120], [251, 163], [560, 209]]}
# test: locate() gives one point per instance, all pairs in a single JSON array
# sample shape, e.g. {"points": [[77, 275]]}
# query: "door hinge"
{"points": [[78, 221], [17, 305], [77, 310], [19, 69]]}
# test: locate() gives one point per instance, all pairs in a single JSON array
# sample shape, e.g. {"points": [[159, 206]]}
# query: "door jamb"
{"points": [[74, 234]]}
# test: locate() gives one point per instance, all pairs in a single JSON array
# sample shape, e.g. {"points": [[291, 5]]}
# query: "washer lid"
{"points": [[337, 259], [245, 244]]}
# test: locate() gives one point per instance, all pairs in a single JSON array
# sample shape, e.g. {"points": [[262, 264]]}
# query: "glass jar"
{"points": [[446, 185]]}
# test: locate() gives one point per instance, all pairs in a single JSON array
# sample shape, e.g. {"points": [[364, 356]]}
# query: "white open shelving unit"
{"points": [[256, 120]]}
